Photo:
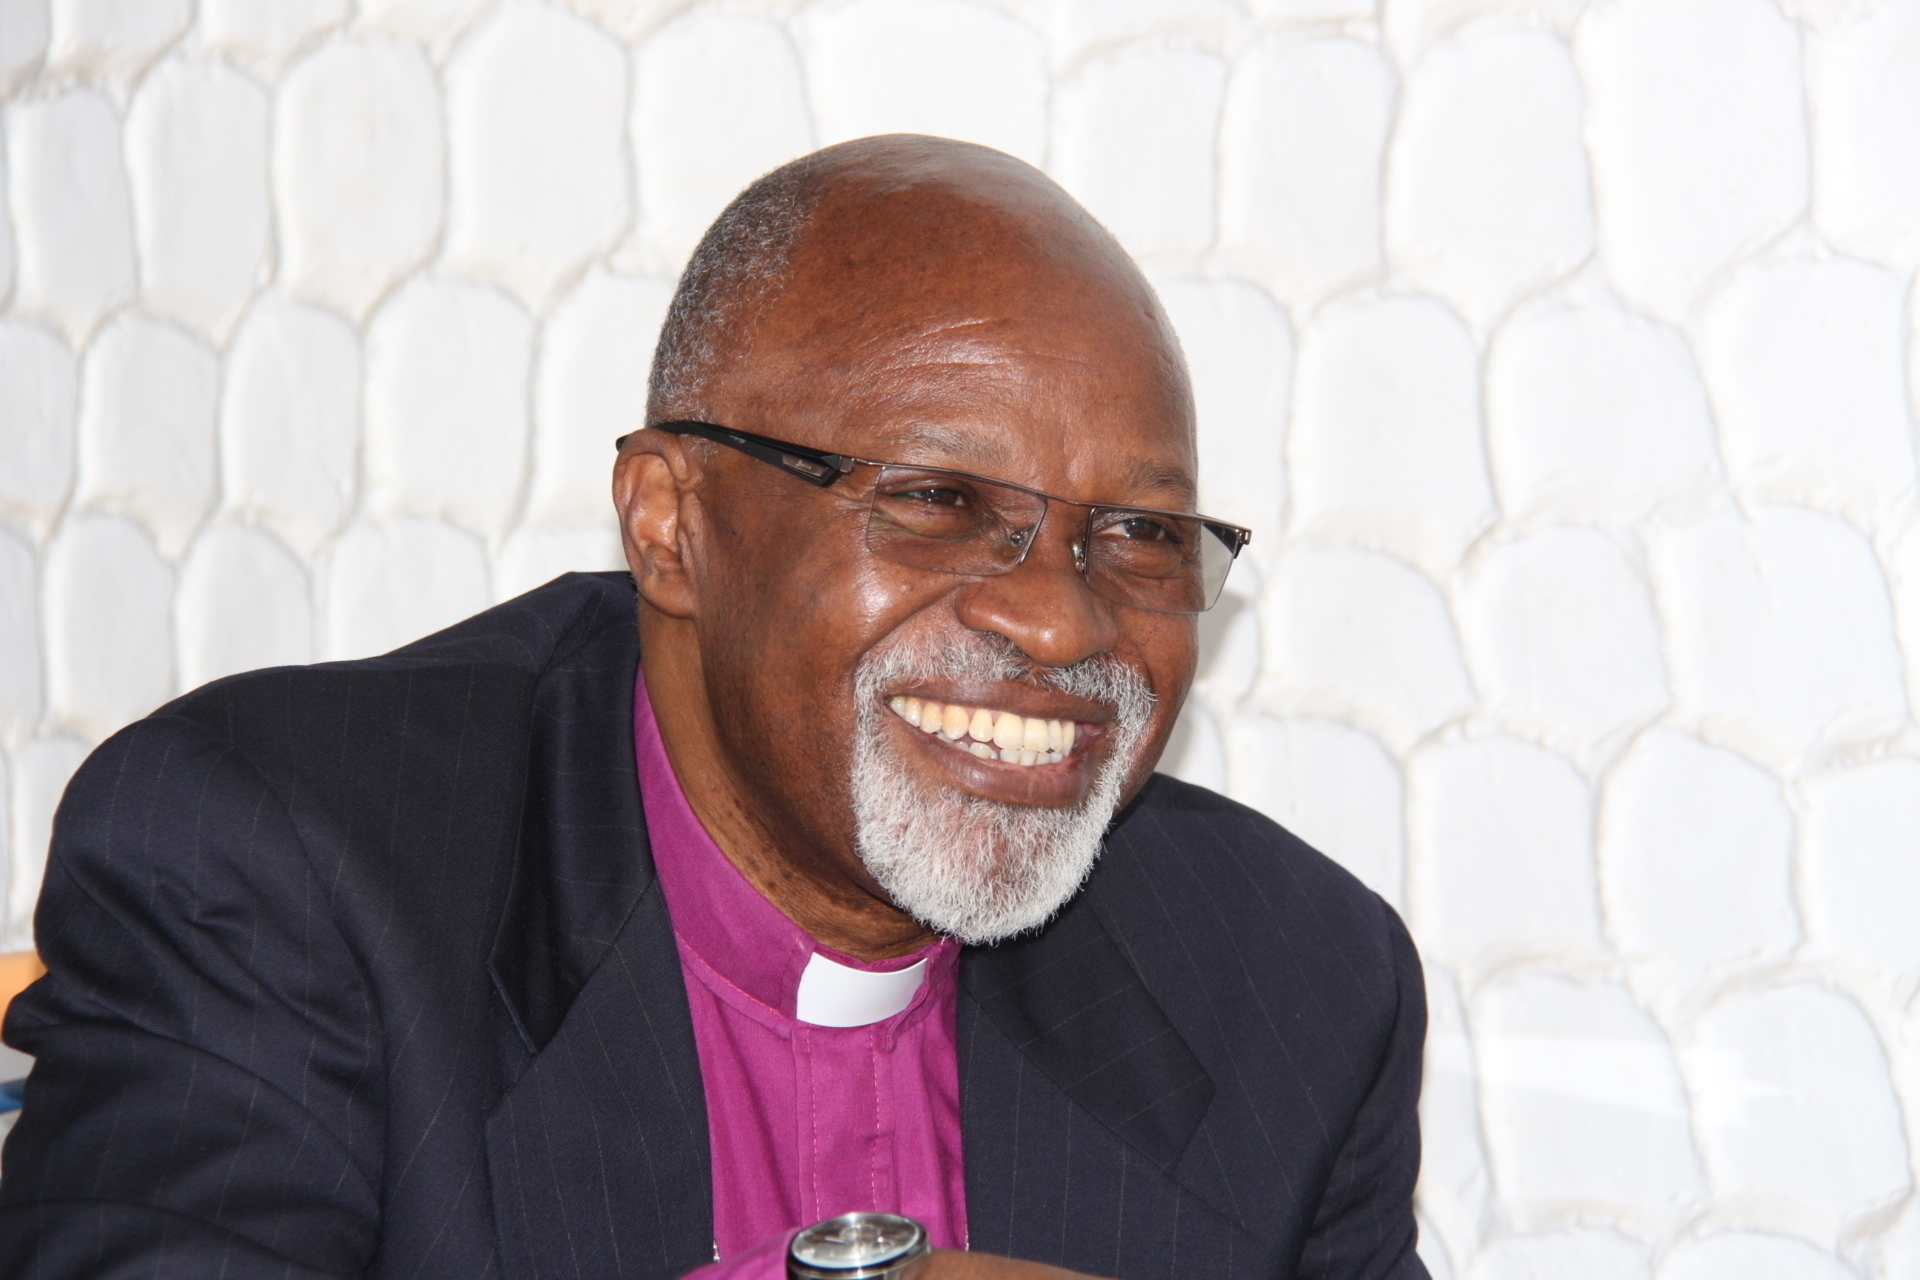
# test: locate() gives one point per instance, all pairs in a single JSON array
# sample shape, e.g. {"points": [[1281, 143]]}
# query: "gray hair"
{"points": [[737, 268]]}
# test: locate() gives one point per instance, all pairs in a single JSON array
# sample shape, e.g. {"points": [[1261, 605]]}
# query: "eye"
{"points": [[933, 496], [1145, 529]]}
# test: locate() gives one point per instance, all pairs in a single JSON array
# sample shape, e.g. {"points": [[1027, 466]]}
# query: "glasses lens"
{"points": [[1171, 564], [949, 522], [954, 523]]}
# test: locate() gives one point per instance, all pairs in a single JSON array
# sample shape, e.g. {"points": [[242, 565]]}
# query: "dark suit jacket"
{"points": [[360, 969]]}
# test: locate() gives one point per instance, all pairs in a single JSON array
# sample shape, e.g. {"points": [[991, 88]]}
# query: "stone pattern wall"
{"points": [[1559, 350]]}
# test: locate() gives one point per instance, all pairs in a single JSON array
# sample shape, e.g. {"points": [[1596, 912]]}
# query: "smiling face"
{"points": [[950, 308]]}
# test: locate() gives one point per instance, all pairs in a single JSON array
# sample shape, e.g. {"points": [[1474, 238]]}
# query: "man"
{"points": [[531, 951]]}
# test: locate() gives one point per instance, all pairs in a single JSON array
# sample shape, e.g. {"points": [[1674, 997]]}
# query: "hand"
{"points": [[956, 1264]]}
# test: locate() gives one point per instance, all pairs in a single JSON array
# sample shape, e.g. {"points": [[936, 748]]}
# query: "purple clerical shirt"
{"points": [[804, 1121]]}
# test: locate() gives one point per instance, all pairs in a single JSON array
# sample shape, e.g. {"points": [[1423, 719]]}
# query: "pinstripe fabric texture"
{"points": [[1210, 1061], [360, 970]]}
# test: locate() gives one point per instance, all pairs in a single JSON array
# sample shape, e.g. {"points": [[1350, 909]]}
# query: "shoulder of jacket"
{"points": [[523, 637], [1240, 858]]}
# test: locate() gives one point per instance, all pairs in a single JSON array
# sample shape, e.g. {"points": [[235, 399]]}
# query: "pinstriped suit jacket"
{"points": [[360, 970]]}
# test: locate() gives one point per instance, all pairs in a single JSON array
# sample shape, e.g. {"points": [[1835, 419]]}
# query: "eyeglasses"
{"points": [[960, 523]]}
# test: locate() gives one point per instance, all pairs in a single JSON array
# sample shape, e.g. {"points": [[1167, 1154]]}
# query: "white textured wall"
{"points": [[1559, 351]]}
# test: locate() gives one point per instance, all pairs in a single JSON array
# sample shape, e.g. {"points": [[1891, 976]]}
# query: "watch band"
{"points": [[859, 1246]]}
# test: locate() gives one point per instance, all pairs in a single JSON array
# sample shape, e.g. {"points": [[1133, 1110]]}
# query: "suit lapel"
{"points": [[1070, 1002], [583, 861], [598, 1153], [1080, 1103]]}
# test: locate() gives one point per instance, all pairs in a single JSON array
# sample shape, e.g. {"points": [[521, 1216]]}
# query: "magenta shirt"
{"points": [[804, 1122]]}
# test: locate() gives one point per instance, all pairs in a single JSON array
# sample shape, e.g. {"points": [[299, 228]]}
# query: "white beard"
{"points": [[977, 869]]}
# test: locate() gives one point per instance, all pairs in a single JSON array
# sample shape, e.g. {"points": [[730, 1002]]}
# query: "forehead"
{"points": [[1085, 432], [1050, 380]]}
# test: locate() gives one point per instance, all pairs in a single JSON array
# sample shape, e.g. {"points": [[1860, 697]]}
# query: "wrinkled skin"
{"points": [[950, 306]]}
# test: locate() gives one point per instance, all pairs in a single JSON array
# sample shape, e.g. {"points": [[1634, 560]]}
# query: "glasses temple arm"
{"points": [[1233, 535], [812, 465]]}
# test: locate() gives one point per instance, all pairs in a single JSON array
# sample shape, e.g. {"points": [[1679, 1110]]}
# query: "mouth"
{"points": [[994, 734]]}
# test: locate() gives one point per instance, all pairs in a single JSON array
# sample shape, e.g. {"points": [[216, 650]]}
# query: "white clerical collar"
{"points": [[833, 995]]}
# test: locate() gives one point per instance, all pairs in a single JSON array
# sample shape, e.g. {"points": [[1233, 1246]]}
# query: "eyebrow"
{"points": [[950, 442], [1152, 474]]}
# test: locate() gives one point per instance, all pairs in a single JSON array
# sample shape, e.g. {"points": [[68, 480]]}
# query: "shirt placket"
{"points": [[846, 1150]]}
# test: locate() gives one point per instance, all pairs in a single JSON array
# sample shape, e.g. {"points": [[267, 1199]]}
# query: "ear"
{"points": [[653, 492]]}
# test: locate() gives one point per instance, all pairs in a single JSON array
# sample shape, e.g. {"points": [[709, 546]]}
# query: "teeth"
{"points": [[1004, 736], [1008, 731]]}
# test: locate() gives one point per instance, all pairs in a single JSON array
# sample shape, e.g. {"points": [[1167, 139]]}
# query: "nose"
{"points": [[1044, 604]]}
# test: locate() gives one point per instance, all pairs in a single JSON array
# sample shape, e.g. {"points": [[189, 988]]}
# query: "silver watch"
{"points": [[859, 1246]]}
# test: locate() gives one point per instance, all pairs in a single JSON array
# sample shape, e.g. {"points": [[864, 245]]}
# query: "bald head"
{"points": [[879, 242]]}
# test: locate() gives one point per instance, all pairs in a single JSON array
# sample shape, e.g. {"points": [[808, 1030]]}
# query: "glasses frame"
{"points": [[822, 469]]}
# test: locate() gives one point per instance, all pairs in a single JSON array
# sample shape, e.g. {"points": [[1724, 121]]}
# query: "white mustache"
{"points": [[983, 657]]}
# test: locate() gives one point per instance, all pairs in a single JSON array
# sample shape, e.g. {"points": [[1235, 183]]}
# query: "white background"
{"points": [[1558, 350]]}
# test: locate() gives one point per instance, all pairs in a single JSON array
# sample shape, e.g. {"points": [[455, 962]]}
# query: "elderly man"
{"points": [[546, 948]]}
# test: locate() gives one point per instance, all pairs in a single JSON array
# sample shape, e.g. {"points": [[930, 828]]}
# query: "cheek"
{"points": [[1168, 647], [784, 643], [879, 598], [842, 616]]}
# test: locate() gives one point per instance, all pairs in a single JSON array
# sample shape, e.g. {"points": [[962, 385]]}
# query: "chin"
{"points": [[980, 868]]}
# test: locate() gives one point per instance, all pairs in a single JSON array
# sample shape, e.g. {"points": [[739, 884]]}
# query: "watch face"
{"points": [[857, 1241]]}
